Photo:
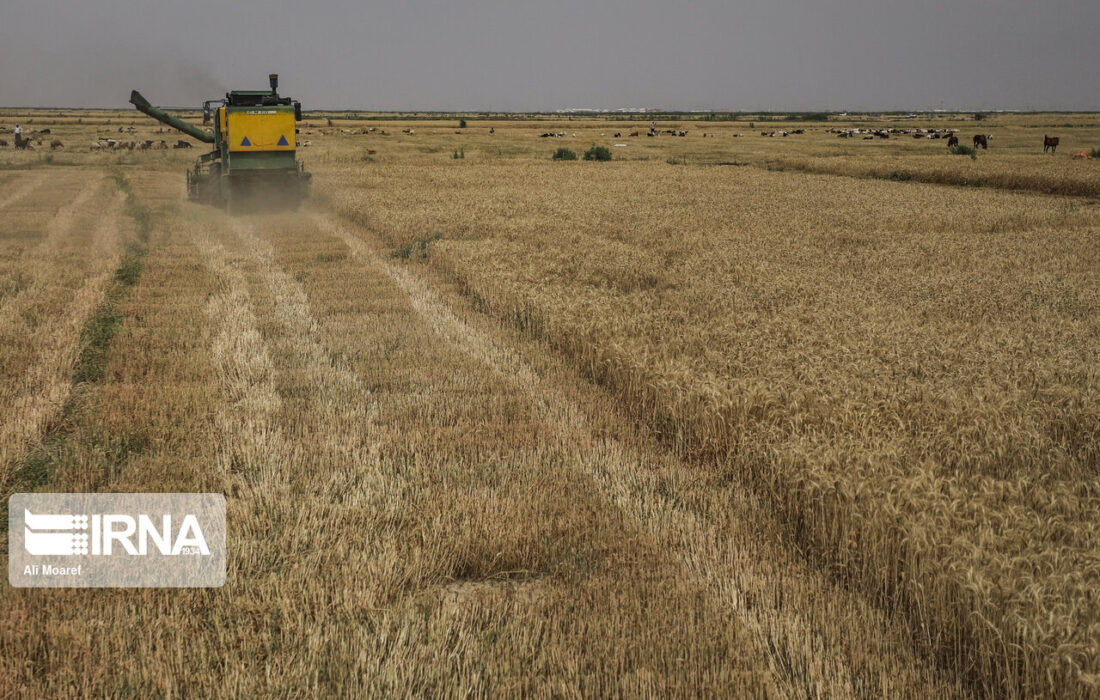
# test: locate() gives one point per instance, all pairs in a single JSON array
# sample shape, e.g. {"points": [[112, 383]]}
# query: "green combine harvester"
{"points": [[253, 163]]}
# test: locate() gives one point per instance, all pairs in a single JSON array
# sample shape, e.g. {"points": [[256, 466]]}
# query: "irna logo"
{"points": [[116, 540], [107, 534]]}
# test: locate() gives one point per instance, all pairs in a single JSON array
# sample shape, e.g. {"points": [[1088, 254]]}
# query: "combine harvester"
{"points": [[253, 163]]}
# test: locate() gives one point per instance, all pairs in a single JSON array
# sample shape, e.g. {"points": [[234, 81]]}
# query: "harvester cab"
{"points": [[254, 159]]}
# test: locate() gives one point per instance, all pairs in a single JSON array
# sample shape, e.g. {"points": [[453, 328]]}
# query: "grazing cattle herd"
{"points": [[34, 140], [147, 145], [871, 134], [950, 135]]}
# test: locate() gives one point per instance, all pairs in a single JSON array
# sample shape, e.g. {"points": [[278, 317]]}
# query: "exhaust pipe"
{"points": [[273, 78]]}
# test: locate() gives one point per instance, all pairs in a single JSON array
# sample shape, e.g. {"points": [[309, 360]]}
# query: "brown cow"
{"points": [[1086, 153], [952, 141], [1050, 142], [56, 144], [981, 140]]}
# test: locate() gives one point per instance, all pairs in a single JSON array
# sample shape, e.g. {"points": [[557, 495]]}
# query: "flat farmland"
{"points": [[731, 414]]}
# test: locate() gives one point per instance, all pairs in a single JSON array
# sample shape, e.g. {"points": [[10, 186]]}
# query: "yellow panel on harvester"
{"points": [[261, 129]]}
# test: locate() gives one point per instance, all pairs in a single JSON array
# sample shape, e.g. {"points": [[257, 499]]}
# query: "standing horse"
{"points": [[1050, 142]]}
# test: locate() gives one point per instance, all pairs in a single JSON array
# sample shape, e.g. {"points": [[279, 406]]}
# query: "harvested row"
{"points": [[41, 326], [39, 214], [47, 270], [927, 431], [16, 188], [144, 427]]}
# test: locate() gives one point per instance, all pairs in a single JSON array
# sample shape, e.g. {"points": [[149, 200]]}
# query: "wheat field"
{"points": [[731, 415]]}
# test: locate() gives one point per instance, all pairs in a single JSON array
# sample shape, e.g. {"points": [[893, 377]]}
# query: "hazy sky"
{"points": [[526, 55]]}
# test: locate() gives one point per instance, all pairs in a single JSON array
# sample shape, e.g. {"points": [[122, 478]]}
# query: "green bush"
{"points": [[459, 154], [461, 123], [417, 250], [1095, 152], [961, 150], [564, 154], [598, 153]]}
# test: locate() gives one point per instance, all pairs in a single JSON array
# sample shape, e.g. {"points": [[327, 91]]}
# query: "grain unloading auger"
{"points": [[254, 159]]}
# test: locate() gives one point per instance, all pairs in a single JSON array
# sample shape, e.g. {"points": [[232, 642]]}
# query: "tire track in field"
{"points": [[252, 445], [39, 261], [21, 191], [340, 397], [102, 251], [62, 222], [42, 389], [294, 448], [259, 454], [836, 645]]}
